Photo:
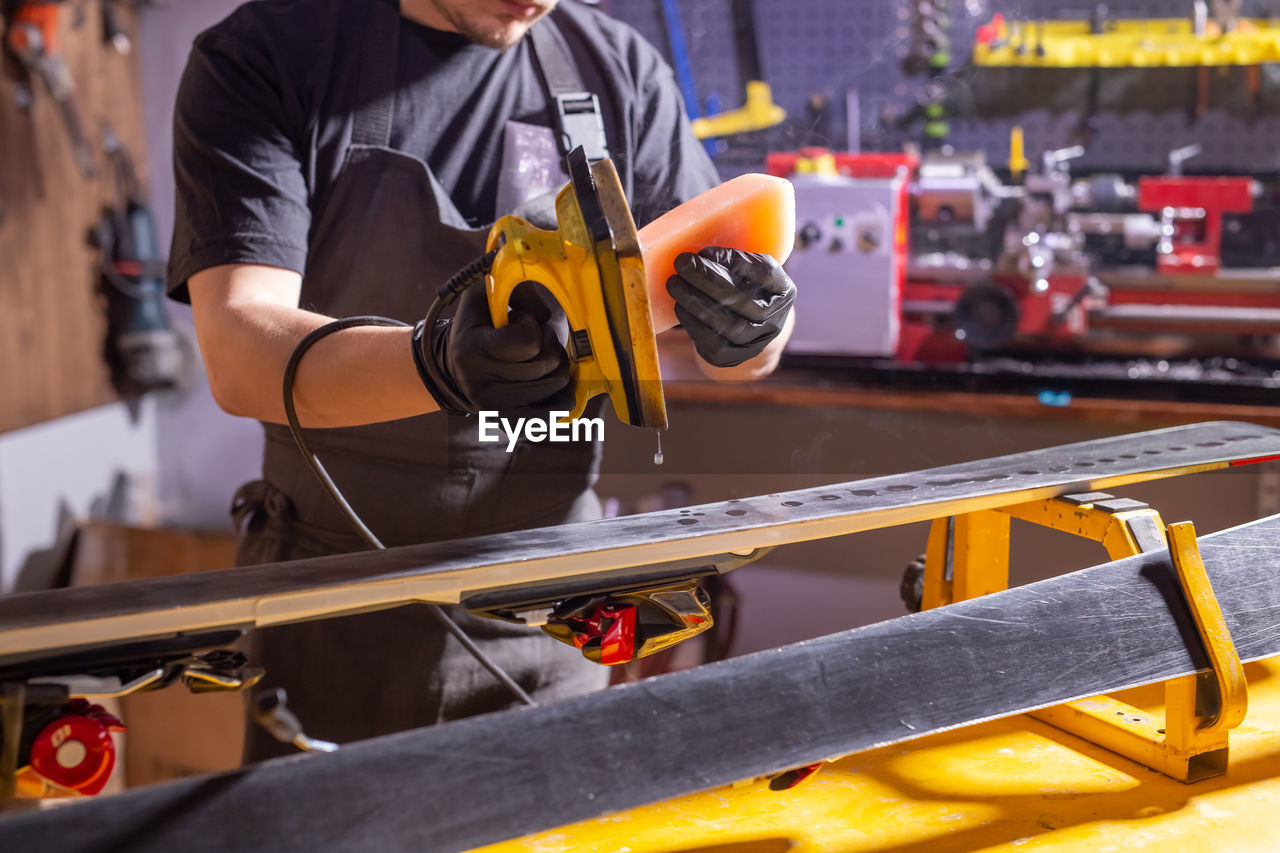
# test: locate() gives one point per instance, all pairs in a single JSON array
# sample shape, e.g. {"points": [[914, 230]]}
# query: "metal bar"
{"points": [[1232, 698], [1250, 316], [623, 551], [89, 687], [462, 785]]}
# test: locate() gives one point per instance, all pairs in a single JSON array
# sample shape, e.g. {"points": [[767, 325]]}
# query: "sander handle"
{"points": [[527, 253]]}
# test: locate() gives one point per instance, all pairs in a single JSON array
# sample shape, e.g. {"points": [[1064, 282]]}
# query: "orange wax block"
{"points": [[754, 213]]}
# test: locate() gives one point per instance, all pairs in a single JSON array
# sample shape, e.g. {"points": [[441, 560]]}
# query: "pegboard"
{"points": [[834, 47], [52, 326]]}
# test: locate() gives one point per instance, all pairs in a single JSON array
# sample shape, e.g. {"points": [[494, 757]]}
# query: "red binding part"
{"points": [[1254, 461]]}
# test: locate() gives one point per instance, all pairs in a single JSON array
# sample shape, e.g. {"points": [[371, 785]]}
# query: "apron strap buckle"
{"points": [[578, 122], [575, 111]]}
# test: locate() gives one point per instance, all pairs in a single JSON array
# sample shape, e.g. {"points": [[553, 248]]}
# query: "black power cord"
{"points": [[448, 293], [291, 413], [430, 364]]}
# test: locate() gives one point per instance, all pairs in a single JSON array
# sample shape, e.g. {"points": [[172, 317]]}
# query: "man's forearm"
{"points": [[353, 376], [247, 331]]}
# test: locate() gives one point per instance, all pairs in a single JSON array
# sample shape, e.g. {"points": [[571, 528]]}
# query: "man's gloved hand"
{"points": [[519, 365], [731, 303]]}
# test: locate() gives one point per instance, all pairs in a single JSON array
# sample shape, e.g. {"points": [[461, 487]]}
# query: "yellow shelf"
{"points": [[1138, 43]]}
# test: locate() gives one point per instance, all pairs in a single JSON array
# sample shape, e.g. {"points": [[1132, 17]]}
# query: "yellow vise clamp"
{"points": [[967, 556]]}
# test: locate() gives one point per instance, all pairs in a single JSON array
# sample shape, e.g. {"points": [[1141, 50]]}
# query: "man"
{"points": [[338, 158]]}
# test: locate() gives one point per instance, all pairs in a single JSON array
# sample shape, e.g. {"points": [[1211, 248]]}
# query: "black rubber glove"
{"points": [[731, 303], [521, 365]]}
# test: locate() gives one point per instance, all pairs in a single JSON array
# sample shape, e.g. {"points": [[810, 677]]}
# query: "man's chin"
{"points": [[497, 39], [498, 31], [499, 36]]}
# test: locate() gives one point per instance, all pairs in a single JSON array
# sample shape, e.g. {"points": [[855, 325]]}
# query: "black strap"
{"points": [[574, 111], [376, 90]]}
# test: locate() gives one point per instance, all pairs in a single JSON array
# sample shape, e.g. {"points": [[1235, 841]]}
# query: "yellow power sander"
{"points": [[592, 265]]}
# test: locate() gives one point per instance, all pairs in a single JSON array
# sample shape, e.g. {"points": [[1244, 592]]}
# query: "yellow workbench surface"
{"points": [[1011, 784]]}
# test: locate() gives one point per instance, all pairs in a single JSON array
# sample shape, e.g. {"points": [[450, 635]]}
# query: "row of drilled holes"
{"points": [[690, 517]]}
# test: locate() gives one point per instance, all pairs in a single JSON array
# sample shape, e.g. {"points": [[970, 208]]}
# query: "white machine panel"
{"points": [[846, 271]]}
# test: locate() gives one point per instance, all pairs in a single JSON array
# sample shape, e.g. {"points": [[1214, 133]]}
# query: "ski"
{"points": [[465, 784], [52, 631]]}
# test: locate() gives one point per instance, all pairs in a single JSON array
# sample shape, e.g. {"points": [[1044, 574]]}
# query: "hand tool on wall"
{"points": [[758, 111], [113, 35], [930, 54], [143, 350], [31, 38]]}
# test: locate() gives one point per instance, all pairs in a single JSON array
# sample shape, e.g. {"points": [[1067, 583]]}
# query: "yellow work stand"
{"points": [[1024, 782], [1015, 784]]}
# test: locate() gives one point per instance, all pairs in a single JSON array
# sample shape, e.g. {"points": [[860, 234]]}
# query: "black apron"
{"points": [[387, 237]]}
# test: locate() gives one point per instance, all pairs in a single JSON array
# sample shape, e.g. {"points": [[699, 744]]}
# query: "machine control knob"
{"points": [[809, 234], [869, 238]]}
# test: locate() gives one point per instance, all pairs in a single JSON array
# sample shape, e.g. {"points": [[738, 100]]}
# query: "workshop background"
{"points": [[85, 450], [874, 59]]}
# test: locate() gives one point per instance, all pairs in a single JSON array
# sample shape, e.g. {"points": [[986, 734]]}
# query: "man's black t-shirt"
{"points": [[264, 114]]}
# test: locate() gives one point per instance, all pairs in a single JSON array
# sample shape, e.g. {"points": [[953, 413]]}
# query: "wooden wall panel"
{"points": [[51, 324]]}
